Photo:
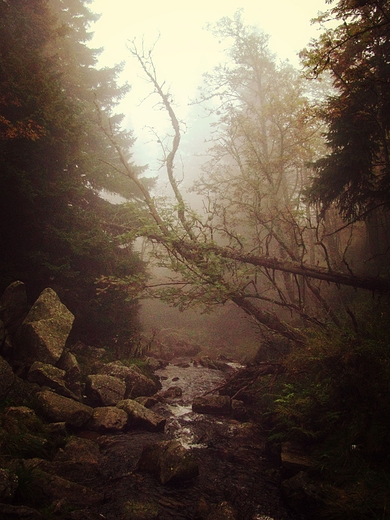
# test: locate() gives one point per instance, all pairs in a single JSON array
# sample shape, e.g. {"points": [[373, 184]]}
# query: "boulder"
{"points": [[7, 378], [45, 374], [294, 458], [78, 461], [51, 488], [104, 390], [137, 384], [172, 392], [108, 419], [18, 419], [212, 404], [13, 304], [148, 402], [168, 461], [141, 417], [214, 364], [70, 364], [44, 331], [57, 408]]}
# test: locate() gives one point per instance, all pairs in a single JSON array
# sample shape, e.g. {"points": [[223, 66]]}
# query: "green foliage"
{"points": [[334, 398], [356, 172]]}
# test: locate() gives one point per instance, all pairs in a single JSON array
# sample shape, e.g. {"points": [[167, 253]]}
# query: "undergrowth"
{"points": [[334, 398]]}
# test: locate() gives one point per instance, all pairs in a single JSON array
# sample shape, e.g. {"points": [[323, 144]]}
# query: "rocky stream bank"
{"points": [[83, 438]]}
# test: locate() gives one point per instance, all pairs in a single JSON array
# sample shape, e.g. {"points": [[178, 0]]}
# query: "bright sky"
{"points": [[185, 49]]}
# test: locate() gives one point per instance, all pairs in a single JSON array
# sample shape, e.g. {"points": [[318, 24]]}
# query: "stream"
{"points": [[236, 481]]}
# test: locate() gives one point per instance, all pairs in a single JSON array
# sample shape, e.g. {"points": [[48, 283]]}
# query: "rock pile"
{"points": [[51, 393]]}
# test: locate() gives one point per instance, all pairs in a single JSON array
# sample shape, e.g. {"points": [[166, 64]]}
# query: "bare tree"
{"points": [[250, 247]]}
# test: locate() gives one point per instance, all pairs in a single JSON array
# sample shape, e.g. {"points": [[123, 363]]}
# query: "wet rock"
{"points": [[56, 408], [108, 419], [8, 484], [212, 404], [45, 374], [172, 392], [214, 364], [104, 390], [44, 331], [141, 417], [7, 378], [168, 461], [13, 303]]}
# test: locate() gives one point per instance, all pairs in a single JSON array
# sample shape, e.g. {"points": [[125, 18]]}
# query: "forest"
{"points": [[291, 223]]}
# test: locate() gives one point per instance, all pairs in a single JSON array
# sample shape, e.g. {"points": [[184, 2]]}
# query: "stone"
{"points": [[212, 404], [70, 364], [148, 402], [53, 488], [294, 458], [172, 392], [13, 303], [169, 462], [137, 384], [57, 408], [108, 419], [104, 390], [78, 461], [20, 418], [7, 378], [45, 374], [44, 331], [141, 417]]}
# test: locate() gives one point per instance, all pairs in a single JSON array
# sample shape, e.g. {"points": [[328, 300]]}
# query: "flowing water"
{"points": [[234, 471]]}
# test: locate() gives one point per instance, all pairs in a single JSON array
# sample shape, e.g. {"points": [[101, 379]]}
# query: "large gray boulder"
{"points": [[44, 331], [70, 364], [168, 461], [54, 489], [137, 384], [77, 461], [108, 419], [104, 390], [212, 404], [56, 408], [44, 374], [141, 417]]}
